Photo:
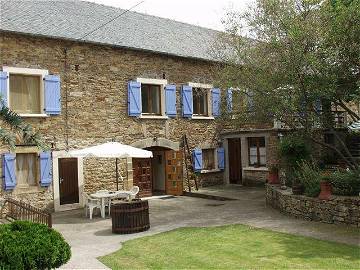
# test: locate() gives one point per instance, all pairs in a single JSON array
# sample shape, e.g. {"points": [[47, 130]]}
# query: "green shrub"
{"points": [[294, 149], [309, 175], [27, 245], [346, 183]]}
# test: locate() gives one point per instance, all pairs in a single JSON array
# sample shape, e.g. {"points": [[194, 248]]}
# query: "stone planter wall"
{"points": [[338, 210]]}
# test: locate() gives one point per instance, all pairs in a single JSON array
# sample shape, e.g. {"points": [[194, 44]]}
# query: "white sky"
{"points": [[206, 13]]}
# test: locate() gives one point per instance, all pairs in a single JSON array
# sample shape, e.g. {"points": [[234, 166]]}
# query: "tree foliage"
{"points": [[300, 59]]}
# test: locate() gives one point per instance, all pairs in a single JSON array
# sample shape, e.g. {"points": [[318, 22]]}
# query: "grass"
{"points": [[231, 247]]}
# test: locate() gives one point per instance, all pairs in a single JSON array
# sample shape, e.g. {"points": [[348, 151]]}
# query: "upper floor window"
{"points": [[25, 97], [200, 101], [151, 99], [257, 151], [30, 92]]}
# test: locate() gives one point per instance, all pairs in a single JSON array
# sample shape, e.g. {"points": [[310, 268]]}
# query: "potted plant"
{"points": [[325, 187], [273, 175], [297, 188]]}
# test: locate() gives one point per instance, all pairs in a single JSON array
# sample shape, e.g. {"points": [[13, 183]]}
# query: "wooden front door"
{"points": [[235, 168], [68, 181], [174, 172], [142, 176]]}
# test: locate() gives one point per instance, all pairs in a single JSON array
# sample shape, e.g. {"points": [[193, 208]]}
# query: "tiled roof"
{"points": [[73, 19]]}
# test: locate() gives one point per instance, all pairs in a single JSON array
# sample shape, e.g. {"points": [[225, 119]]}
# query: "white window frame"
{"points": [[216, 167], [208, 88], [162, 84], [28, 71]]}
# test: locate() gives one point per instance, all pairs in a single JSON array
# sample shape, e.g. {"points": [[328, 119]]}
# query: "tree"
{"points": [[16, 131], [300, 59]]}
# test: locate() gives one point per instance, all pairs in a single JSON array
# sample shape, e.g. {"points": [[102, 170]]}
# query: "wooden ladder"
{"points": [[189, 167]]}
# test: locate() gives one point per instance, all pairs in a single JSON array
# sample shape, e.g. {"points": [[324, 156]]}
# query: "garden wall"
{"points": [[338, 210]]}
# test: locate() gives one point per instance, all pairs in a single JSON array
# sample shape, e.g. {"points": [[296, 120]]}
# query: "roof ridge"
{"points": [[149, 15]]}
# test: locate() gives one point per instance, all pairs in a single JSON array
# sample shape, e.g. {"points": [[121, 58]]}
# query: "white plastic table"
{"points": [[108, 195]]}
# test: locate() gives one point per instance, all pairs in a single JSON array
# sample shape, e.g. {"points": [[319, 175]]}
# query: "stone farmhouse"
{"points": [[140, 80]]}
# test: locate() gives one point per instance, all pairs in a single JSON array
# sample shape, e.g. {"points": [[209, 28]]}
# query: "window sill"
{"points": [[153, 117], [210, 171], [203, 118], [36, 115], [263, 169]]}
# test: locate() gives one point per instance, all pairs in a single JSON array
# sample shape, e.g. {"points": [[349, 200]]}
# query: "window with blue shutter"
{"points": [[9, 176], [229, 100], [4, 77], [45, 169], [187, 101], [52, 94], [170, 100], [216, 102], [221, 158], [197, 159], [134, 98]]}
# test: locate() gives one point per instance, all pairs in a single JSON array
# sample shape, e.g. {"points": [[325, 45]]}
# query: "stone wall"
{"points": [[95, 87], [338, 210]]}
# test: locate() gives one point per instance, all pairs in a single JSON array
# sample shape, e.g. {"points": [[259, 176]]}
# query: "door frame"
{"points": [[56, 155]]}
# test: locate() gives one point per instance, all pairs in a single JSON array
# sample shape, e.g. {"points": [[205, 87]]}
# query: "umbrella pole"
{"points": [[117, 173]]}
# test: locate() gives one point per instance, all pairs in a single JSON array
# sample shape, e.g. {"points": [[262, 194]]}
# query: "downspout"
{"points": [[66, 99]]}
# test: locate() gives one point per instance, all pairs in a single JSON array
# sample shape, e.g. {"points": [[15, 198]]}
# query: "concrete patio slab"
{"points": [[91, 239]]}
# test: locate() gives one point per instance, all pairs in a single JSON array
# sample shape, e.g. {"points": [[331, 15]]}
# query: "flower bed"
{"points": [[339, 209]]}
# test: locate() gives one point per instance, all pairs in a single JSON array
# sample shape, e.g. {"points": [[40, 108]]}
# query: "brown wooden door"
{"points": [[68, 181], [142, 176], [235, 168], [174, 172]]}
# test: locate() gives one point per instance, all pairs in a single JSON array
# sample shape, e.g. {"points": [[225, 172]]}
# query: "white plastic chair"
{"points": [[107, 201], [91, 204], [133, 192]]}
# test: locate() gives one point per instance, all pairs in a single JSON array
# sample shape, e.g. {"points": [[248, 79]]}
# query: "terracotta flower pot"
{"points": [[273, 177], [325, 190]]}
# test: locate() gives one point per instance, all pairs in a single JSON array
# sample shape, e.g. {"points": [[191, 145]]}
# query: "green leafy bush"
{"points": [[293, 150], [27, 245], [345, 183], [309, 175]]}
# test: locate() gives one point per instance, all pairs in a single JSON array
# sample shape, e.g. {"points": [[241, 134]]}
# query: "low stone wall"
{"points": [[338, 210]]}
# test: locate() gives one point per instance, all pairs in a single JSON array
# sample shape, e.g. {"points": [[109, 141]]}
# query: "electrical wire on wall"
{"points": [[66, 79]]}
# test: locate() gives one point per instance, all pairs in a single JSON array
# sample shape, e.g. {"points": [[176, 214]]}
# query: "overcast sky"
{"points": [[207, 13]]}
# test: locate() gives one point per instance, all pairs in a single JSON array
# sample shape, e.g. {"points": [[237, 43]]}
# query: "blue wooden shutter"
{"points": [[229, 100], [134, 98], [9, 175], [187, 101], [250, 101], [170, 100], [197, 159], [52, 94], [4, 77], [221, 158], [45, 169], [215, 92], [318, 106]]}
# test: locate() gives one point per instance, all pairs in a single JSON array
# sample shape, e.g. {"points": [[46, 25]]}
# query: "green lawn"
{"points": [[231, 247]]}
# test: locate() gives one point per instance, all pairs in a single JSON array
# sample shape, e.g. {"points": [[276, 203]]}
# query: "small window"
{"points": [[25, 93], [257, 151], [151, 99], [208, 159], [27, 169], [200, 101]]}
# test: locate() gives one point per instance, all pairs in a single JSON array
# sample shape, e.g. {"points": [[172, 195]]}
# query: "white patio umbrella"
{"points": [[112, 150]]}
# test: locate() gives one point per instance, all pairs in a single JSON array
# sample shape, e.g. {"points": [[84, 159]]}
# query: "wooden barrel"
{"points": [[130, 217]]}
